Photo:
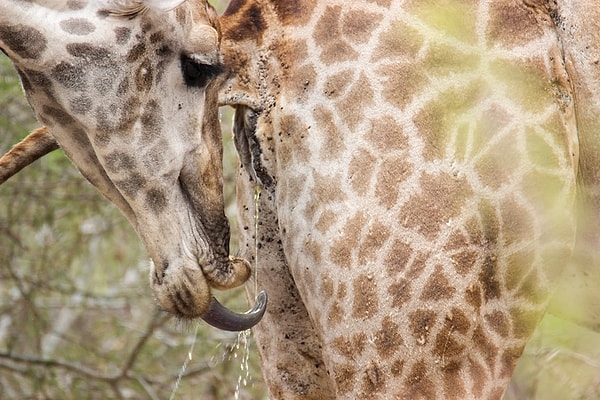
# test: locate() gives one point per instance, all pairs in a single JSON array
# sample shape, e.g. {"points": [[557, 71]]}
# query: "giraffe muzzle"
{"points": [[185, 292]]}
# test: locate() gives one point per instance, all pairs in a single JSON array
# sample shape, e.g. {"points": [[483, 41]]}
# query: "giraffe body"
{"points": [[420, 161]]}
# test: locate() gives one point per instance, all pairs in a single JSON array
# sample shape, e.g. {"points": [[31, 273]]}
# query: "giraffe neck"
{"points": [[411, 146]]}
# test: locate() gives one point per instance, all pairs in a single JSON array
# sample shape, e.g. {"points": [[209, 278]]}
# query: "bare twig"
{"points": [[157, 320]]}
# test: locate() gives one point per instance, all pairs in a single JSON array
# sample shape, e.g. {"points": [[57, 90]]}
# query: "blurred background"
{"points": [[77, 320]]}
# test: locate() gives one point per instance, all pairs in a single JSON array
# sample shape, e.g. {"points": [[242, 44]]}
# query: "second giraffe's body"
{"points": [[420, 162]]}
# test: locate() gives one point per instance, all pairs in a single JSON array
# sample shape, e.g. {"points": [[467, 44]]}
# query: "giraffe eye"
{"points": [[197, 74]]}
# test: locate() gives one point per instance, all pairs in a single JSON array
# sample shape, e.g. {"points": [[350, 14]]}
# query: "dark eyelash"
{"points": [[197, 74]]}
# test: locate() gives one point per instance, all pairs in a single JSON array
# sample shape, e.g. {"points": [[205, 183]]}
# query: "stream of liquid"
{"points": [[242, 342], [185, 364]]}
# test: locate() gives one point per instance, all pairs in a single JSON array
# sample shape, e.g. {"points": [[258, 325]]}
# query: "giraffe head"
{"points": [[126, 88]]}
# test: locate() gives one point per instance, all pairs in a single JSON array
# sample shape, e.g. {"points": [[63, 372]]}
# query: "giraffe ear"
{"points": [[162, 5]]}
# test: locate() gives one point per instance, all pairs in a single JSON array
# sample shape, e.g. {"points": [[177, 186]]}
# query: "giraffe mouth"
{"points": [[186, 295], [193, 258], [185, 291]]}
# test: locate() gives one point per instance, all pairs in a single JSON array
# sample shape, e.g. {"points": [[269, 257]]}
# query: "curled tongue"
{"points": [[223, 318]]}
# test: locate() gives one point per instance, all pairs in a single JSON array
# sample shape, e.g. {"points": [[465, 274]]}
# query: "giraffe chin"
{"points": [[185, 292]]}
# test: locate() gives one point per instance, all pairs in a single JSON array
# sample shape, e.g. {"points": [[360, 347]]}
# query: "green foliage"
{"points": [[77, 318]]}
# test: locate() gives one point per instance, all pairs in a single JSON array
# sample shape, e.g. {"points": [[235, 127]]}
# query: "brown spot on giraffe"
{"points": [[400, 292], [296, 151], [388, 339], [357, 25], [448, 348], [360, 174], [350, 347], [81, 104], [418, 385], [421, 322], [77, 26], [518, 265], [122, 34], [373, 381], [393, 171], [130, 113], [387, 135], [344, 375], [509, 360], [464, 261], [512, 24], [135, 52], [294, 12], [26, 41], [401, 83], [327, 286], [438, 287], [496, 168], [457, 321], [70, 76], [156, 200], [417, 266], [251, 21], [118, 161], [333, 144], [337, 83], [352, 106], [442, 198], [303, 81], [144, 75], [479, 376], [498, 322], [473, 296], [76, 4], [374, 239], [366, 301], [489, 278], [397, 367], [132, 184], [398, 257], [517, 222], [442, 60], [335, 314], [57, 115], [344, 246], [454, 387], [399, 41], [326, 220], [314, 250], [89, 53]]}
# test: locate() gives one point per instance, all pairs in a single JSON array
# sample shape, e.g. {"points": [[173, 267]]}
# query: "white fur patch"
{"points": [[162, 5]]}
